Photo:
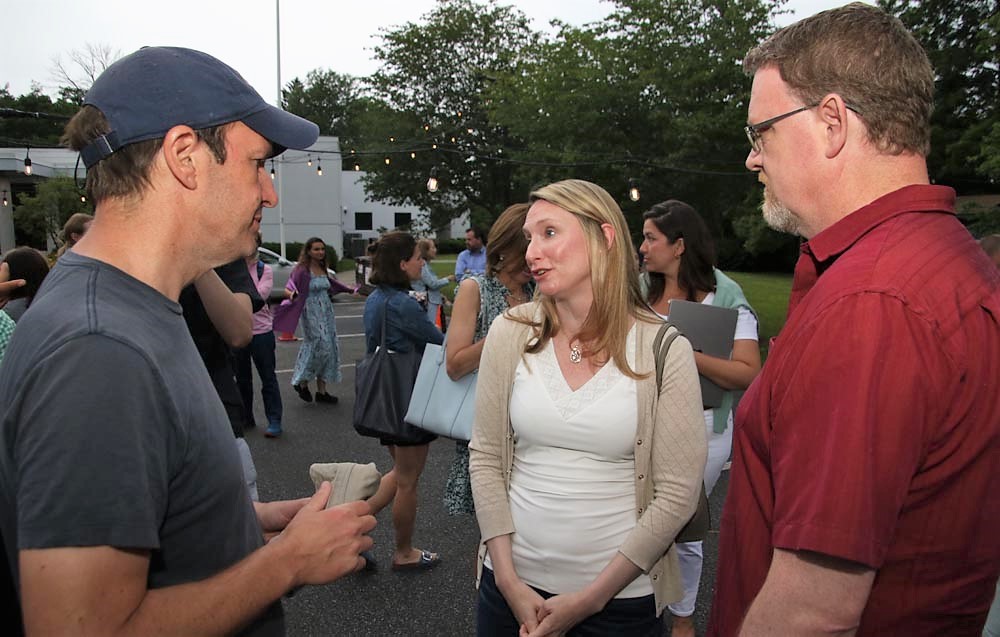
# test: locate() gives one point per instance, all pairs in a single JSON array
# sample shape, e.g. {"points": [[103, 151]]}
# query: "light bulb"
{"points": [[633, 191], [387, 161], [319, 170], [432, 184], [27, 165], [357, 167], [413, 155], [309, 161]]}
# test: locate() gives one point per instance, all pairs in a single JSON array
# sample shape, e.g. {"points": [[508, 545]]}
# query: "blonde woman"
{"points": [[428, 281], [583, 470]]}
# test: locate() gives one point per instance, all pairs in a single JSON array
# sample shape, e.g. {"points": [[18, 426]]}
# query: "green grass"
{"points": [[767, 293]]}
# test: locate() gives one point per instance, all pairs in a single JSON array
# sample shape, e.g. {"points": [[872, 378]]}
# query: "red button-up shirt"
{"points": [[873, 432]]}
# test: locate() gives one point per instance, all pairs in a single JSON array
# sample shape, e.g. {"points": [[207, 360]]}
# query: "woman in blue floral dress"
{"points": [[309, 292]]}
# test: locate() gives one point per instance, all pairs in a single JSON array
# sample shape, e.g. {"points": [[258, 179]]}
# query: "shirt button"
{"points": [[640, 510], [655, 577], [641, 476], [638, 442]]}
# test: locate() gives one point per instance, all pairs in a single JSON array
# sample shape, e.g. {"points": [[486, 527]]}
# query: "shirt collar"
{"points": [[842, 235]]}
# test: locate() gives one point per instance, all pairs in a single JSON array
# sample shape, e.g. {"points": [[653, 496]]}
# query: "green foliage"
{"points": [[41, 216], [37, 131], [327, 98], [980, 220], [768, 294], [962, 39]]}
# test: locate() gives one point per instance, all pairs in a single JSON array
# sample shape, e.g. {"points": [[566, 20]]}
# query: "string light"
{"points": [[426, 127], [432, 181], [434, 146], [4, 198], [387, 161], [392, 139], [452, 140], [633, 190], [83, 198], [309, 160], [27, 160], [357, 167], [319, 166], [272, 170], [413, 155]]}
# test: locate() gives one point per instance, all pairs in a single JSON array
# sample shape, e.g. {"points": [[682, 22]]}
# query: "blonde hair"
{"points": [[424, 245], [614, 276]]}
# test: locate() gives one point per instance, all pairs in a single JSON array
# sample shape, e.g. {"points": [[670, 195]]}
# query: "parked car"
{"points": [[282, 269]]}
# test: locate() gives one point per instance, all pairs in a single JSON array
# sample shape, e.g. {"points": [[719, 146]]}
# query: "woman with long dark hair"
{"points": [[396, 263], [28, 264], [679, 258], [308, 296]]}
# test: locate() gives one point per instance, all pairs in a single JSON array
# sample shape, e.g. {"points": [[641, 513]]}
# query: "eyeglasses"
{"points": [[754, 131]]}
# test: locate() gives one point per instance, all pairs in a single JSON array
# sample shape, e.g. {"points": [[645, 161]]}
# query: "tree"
{"points": [[654, 93], [962, 40], [75, 76], [33, 118], [326, 97], [436, 76], [43, 215]]}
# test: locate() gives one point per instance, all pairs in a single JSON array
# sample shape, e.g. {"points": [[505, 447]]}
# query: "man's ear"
{"points": [[179, 146], [832, 111]]}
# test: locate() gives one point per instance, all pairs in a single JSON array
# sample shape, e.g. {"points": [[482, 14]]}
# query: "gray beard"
{"points": [[778, 216]]}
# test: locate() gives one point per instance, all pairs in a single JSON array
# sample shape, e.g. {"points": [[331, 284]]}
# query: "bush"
{"points": [[450, 246]]}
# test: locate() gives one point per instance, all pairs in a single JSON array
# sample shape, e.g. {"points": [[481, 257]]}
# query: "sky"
{"points": [[333, 34]]}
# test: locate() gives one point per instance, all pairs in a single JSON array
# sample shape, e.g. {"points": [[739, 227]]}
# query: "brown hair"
{"points": [[390, 250], [304, 252], [76, 224], [125, 173], [28, 264], [869, 59], [614, 276], [507, 239]]}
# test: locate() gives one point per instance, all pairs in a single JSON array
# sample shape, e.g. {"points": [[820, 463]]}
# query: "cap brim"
{"points": [[283, 129]]}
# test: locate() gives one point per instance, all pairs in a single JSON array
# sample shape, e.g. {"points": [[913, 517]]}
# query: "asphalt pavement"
{"points": [[440, 601]]}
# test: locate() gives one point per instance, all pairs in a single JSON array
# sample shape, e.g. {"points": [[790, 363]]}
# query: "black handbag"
{"points": [[383, 384], [697, 527]]}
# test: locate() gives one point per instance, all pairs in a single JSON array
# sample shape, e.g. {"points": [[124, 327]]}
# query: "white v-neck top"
{"points": [[572, 486]]}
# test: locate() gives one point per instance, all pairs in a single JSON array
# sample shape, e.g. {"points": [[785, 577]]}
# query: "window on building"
{"points": [[362, 221], [402, 219]]}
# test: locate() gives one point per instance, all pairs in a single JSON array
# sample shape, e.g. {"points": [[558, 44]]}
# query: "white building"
{"points": [[315, 199]]}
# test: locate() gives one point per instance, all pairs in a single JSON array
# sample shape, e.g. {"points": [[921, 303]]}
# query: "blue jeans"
{"points": [[633, 617], [261, 351]]}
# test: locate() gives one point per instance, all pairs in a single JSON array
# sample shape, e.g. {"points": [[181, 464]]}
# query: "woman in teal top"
{"points": [[679, 257]]}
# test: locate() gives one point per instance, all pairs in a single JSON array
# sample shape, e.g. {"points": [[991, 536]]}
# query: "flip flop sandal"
{"points": [[427, 560]]}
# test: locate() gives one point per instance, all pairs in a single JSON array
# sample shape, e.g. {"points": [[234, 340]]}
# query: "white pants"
{"points": [[689, 554]]}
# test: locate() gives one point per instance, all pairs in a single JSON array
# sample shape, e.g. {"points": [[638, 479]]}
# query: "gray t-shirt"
{"points": [[114, 435]]}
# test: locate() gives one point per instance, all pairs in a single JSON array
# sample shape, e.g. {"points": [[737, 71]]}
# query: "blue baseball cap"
{"points": [[145, 94]]}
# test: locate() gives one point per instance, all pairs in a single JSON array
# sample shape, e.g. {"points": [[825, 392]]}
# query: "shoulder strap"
{"points": [[260, 268], [661, 347]]}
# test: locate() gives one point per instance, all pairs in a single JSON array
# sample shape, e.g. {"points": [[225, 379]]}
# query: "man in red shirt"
{"points": [[864, 496]]}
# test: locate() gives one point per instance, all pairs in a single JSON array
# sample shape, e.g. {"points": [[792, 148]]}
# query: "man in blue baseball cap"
{"points": [[123, 508]]}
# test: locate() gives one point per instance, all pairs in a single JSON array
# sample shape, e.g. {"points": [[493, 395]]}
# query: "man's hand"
{"points": [[560, 613], [7, 287], [275, 516], [323, 545]]}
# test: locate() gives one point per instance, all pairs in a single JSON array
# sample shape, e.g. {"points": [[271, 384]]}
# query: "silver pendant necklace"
{"points": [[575, 355]]}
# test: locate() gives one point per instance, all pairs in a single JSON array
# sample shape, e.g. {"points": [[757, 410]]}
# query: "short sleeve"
{"points": [[92, 448], [237, 278], [746, 325], [848, 436]]}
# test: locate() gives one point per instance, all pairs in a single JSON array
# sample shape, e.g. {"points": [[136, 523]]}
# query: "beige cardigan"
{"points": [[670, 448]]}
